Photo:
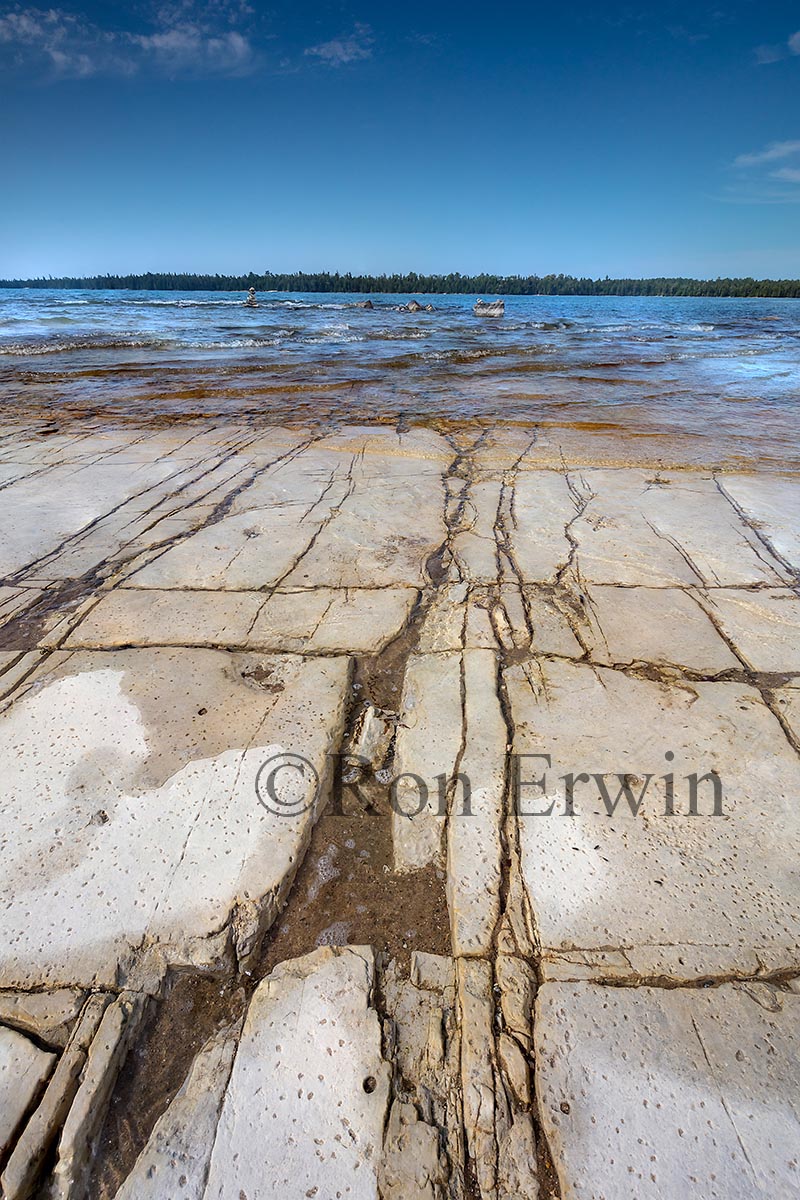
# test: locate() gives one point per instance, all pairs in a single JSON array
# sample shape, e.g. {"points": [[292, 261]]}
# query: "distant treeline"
{"points": [[503, 285]]}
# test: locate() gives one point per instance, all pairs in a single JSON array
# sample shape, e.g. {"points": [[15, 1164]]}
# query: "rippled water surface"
{"points": [[715, 373]]}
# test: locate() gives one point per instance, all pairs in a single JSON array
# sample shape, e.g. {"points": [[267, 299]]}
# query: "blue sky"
{"points": [[224, 135]]}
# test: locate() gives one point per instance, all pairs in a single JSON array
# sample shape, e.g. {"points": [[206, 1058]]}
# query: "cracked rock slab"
{"points": [[665, 626], [429, 735], [681, 530], [305, 1107], [49, 1016], [770, 504], [474, 848], [175, 1160], [313, 621], [647, 1093], [764, 626], [682, 896], [131, 815], [354, 512], [24, 1069]]}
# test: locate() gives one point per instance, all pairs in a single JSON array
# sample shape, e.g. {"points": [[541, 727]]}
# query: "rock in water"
{"points": [[489, 308]]}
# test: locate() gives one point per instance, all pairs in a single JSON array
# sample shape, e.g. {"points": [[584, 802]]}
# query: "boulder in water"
{"points": [[489, 308]]}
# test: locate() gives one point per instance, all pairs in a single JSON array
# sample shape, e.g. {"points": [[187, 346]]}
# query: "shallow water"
{"points": [[720, 376]]}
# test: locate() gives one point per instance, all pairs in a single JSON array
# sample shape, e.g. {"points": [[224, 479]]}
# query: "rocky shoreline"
{"points": [[348, 844]]}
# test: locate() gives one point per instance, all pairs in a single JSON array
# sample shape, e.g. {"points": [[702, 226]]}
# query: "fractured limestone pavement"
{"points": [[618, 1015]]}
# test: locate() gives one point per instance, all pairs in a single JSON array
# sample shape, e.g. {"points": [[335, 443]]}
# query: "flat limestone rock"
{"points": [[342, 620], [357, 512], [543, 507], [429, 737], [103, 1062], [175, 1160], [666, 531], [319, 620], [131, 814], [24, 1069], [25, 1163], [149, 617], [664, 626], [305, 1107], [474, 833], [764, 626], [680, 896], [49, 509], [647, 1093], [771, 503], [788, 702], [49, 1016], [474, 545]]}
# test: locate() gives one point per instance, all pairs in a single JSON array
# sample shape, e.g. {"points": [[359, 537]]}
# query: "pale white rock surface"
{"points": [[647, 1093], [650, 895], [772, 505], [24, 1165], [764, 626], [665, 626], [371, 737], [350, 621], [150, 617], [131, 811], [429, 738], [474, 830], [543, 507], [787, 700], [24, 1069], [174, 1163], [359, 512], [411, 1166], [443, 625], [106, 1055], [305, 1107], [320, 620], [480, 1096], [681, 530], [49, 1016], [474, 546], [73, 498]]}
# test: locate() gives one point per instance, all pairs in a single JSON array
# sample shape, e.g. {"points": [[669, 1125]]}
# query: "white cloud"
{"points": [[190, 38], [340, 51], [774, 152], [769, 54], [774, 53], [758, 176], [187, 49]]}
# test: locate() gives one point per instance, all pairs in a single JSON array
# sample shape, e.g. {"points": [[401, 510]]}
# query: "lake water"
{"points": [[722, 375]]}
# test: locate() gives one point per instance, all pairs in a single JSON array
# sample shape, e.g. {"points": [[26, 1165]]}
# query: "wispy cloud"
{"points": [[762, 175], [340, 51], [188, 49], [771, 153], [777, 51], [185, 38]]}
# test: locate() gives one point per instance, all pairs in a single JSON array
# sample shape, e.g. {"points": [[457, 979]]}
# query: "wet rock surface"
{"points": [[377, 745]]}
